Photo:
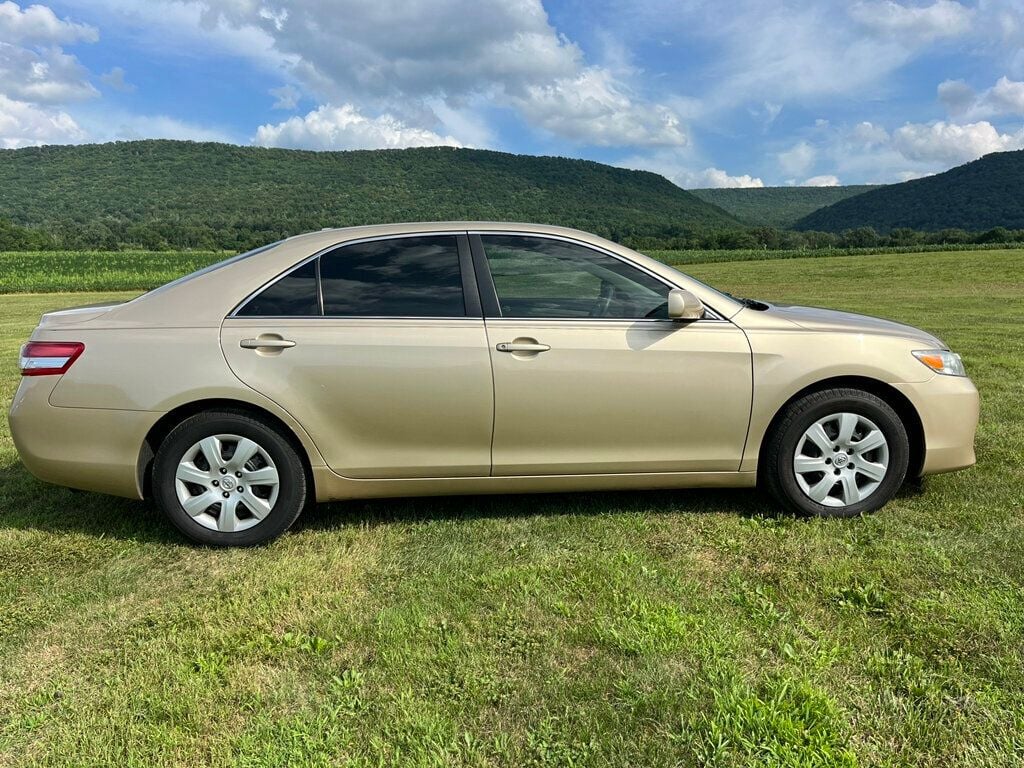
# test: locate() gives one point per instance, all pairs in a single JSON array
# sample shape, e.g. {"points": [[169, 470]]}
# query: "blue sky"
{"points": [[706, 92]]}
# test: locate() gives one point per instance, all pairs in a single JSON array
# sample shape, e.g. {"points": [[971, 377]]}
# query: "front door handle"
{"points": [[521, 346], [266, 342]]}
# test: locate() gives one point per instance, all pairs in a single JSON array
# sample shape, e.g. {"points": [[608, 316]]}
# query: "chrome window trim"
{"points": [[323, 251], [718, 317]]}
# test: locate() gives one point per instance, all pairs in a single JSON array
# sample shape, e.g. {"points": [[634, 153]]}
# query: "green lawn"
{"points": [[628, 629]]}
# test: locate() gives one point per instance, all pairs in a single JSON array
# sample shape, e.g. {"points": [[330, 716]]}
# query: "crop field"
{"points": [[616, 629], [73, 271]]}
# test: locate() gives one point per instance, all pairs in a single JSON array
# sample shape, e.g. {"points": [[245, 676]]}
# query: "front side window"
{"points": [[403, 277], [544, 278]]}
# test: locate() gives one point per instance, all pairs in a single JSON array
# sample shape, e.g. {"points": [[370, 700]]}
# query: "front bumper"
{"points": [[949, 407], [87, 448]]}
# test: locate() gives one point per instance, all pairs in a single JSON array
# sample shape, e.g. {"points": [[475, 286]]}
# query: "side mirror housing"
{"points": [[683, 305]]}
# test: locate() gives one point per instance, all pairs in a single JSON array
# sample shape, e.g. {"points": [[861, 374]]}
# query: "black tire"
{"points": [[292, 490], [777, 470]]}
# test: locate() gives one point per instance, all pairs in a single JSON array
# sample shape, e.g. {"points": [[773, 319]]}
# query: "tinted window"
{"points": [[404, 277], [293, 295], [538, 277]]}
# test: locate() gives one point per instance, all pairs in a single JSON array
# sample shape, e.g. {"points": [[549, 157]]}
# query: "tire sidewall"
{"points": [[292, 480], [862, 404]]}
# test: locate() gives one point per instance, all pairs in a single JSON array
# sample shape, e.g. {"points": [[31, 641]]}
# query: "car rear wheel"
{"points": [[836, 453], [227, 479]]}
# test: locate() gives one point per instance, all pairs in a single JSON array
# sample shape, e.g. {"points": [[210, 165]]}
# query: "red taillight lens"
{"points": [[46, 358]]}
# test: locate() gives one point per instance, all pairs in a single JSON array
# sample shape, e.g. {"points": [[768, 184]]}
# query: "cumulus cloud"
{"points": [[713, 177], [455, 52], [827, 180], [593, 109], [1006, 97], [950, 143], [23, 124], [37, 24], [344, 127], [37, 77], [798, 159]]}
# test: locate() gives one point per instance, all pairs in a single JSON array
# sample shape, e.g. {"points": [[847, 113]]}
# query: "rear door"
{"points": [[590, 375], [378, 349]]}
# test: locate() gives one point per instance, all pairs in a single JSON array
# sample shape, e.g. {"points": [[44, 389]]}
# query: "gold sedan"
{"points": [[418, 359]]}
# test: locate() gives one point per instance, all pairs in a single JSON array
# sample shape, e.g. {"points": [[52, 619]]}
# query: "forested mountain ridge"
{"points": [[779, 207], [204, 195], [980, 195]]}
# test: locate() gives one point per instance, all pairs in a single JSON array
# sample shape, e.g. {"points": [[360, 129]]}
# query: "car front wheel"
{"points": [[227, 479], [836, 453]]}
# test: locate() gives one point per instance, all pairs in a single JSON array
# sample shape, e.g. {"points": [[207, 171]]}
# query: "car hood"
{"points": [[817, 319]]}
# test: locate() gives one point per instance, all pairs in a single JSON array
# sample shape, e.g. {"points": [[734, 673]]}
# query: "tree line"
{"points": [[113, 235]]}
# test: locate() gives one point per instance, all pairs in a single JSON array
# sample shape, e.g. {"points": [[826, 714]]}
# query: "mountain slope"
{"points": [[196, 194], [977, 196], [777, 206]]}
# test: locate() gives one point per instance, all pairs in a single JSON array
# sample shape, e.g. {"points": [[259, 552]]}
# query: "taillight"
{"points": [[46, 358]]}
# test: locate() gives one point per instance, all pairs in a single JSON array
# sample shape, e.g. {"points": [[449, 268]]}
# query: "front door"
{"points": [[373, 349], [590, 375]]}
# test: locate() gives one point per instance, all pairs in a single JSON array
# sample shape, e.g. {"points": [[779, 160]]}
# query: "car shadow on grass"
{"points": [[28, 504]]}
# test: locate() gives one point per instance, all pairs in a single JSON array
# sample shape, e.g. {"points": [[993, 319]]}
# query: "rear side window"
{"points": [[294, 295], [403, 277]]}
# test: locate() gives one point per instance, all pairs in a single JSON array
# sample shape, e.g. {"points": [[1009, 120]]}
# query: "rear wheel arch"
{"points": [[162, 428], [880, 389]]}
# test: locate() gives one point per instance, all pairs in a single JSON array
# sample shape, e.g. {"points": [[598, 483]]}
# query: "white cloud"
{"points": [[943, 18], [713, 177], [287, 97], [827, 180], [455, 52], [23, 124], [115, 79], [38, 25], [1006, 97], [343, 127], [593, 109], [952, 144], [798, 159], [46, 76], [684, 171]]}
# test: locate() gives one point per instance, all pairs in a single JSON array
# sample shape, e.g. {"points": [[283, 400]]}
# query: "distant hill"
{"points": [[981, 195], [218, 195], [778, 207]]}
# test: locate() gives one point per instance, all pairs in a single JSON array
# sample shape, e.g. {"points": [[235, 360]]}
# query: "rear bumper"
{"points": [[949, 407], [87, 448]]}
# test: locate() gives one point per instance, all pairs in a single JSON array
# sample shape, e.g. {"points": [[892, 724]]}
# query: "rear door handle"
{"points": [[521, 346], [266, 342]]}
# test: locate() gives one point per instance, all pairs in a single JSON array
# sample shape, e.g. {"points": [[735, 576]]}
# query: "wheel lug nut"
{"points": [[238, 474], [240, 489], [226, 494], [837, 472], [828, 461], [223, 471], [850, 451], [216, 483]]}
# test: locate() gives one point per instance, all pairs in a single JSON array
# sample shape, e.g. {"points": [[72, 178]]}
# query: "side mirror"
{"points": [[683, 305]]}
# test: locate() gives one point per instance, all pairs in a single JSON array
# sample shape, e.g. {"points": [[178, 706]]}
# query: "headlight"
{"points": [[941, 361]]}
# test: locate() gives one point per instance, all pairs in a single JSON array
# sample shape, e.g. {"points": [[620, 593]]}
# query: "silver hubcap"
{"points": [[227, 483], [841, 459]]}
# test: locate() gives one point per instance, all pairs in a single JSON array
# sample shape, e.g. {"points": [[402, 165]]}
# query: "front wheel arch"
{"points": [[162, 428], [880, 389]]}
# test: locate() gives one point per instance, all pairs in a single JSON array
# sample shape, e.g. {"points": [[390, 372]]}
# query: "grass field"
{"points": [[73, 271], [626, 629]]}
